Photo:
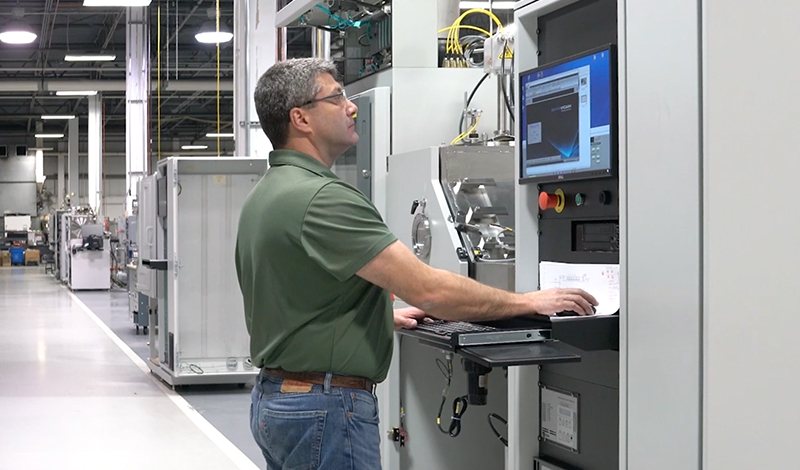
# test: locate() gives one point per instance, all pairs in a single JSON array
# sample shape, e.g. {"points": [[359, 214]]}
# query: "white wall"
{"points": [[752, 224]]}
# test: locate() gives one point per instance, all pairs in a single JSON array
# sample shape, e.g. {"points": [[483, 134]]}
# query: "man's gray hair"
{"points": [[286, 85]]}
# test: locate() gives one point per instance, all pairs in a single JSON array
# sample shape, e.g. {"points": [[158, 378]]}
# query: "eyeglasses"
{"points": [[336, 98]]}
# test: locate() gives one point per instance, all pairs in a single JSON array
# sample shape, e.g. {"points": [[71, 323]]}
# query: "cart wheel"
{"points": [[137, 329], [145, 330]]}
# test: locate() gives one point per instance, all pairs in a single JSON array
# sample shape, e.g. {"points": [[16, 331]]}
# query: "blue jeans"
{"points": [[328, 428]]}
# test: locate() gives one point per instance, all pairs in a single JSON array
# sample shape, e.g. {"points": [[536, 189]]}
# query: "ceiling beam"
{"points": [[182, 24], [48, 85], [111, 31]]}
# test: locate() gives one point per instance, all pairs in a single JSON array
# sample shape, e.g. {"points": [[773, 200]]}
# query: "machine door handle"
{"points": [[157, 264], [416, 204]]}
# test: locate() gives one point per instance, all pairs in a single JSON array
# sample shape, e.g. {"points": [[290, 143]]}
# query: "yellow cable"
{"points": [[158, 81], [218, 116], [466, 26], [455, 46], [468, 132], [450, 28]]}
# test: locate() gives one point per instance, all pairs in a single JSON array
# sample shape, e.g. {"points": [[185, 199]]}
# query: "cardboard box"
{"points": [[31, 256], [5, 258]]}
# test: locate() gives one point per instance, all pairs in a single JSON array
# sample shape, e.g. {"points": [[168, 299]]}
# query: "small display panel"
{"points": [[568, 118]]}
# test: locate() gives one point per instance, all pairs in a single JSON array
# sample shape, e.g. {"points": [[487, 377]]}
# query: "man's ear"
{"points": [[299, 120]]}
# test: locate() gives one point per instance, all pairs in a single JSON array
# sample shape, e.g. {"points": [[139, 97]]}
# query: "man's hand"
{"points": [[551, 301], [407, 317]]}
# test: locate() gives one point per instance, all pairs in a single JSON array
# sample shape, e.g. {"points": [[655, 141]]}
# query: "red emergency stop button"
{"points": [[548, 201]]}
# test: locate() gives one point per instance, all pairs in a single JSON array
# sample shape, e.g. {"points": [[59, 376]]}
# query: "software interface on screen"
{"points": [[566, 118]]}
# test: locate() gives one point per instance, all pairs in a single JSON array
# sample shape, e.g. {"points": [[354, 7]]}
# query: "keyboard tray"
{"points": [[518, 354]]}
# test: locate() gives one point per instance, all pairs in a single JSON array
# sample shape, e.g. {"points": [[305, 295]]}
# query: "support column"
{"points": [[137, 83], [95, 193], [255, 50], [74, 166], [60, 188], [39, 155]]}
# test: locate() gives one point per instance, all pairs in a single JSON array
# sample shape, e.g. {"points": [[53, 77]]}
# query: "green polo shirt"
{"points": [[303, 234]]}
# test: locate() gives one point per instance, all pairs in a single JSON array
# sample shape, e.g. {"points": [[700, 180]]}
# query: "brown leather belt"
{"points": [[344, 381]]}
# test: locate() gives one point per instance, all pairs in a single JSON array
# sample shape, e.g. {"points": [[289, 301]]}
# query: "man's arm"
{"points": [[449, 296]]}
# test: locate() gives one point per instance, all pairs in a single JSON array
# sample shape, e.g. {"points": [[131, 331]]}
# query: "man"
{"points": [[316, 265]]}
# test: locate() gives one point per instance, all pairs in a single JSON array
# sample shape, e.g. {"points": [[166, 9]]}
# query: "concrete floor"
{"points": [[226, 407], [72, 397]]}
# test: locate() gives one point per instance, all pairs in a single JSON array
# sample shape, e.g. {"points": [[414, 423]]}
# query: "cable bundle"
{"points": [[454, 49]]}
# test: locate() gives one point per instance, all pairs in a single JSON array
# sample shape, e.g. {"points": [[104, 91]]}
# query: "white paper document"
{"points": [[600, 280]]}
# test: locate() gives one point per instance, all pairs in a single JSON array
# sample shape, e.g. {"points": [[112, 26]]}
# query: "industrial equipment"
{"points": [[55, 238], [568, 157], [188, 215], [360, 32], [85, 256]]}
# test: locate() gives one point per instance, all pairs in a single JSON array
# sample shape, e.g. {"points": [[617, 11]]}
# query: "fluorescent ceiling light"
{"points": [[208, 33], [116, 3], [17, 32], [194, 147], [48, 136], [214, 134], [42, 149], [495, 5], [77, 93], [57, 116], [89, 58]]}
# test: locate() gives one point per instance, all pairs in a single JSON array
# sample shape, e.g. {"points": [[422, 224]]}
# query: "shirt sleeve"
{"points": [[342, 231]]}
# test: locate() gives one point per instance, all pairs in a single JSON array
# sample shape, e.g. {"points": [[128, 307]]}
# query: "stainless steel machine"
{"points": [[454, 206]]}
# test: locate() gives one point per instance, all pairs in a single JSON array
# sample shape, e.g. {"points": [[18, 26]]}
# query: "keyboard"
{"points": [[447, 328]]}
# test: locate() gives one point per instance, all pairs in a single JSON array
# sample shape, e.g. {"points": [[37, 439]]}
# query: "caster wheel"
{"points": [[145, 330], [137, 329]]}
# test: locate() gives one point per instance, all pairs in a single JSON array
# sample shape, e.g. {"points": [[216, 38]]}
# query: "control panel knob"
{"points": [[547, 201], [580, 199], [605, 197]]}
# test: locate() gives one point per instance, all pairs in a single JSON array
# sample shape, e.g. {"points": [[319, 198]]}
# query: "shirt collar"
{"points": [[300, 160]]}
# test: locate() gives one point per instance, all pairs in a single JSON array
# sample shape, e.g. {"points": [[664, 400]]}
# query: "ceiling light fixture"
{"points": [[89, 58], [194, 147], [48, 136], [208, 33], [42, 149], [17, 32], [58, 116], [214, 134], [76, 93], [116, 3]]}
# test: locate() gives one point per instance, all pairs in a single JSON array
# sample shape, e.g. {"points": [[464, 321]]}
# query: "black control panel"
{"points": [[579, 221]]}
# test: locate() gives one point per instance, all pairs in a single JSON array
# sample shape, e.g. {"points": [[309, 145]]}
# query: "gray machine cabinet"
{"points": [[355, 165], [146, 236], [200, 334]]}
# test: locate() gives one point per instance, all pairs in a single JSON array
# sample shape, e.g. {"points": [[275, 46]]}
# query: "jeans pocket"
{"points": [[365, 407], [291, 440], [362, 425]]}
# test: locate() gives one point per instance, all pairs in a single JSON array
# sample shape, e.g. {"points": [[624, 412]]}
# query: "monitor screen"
{"points": [[568, 118]]}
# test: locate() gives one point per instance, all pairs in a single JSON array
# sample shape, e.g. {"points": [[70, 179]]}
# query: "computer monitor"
{"points": [[568, 118]]}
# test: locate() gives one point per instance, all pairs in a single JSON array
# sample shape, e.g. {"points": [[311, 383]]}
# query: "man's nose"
{"points": [[352, 109]]}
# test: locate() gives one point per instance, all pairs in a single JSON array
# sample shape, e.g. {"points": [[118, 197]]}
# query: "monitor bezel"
{"points": [[613, 123]]}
